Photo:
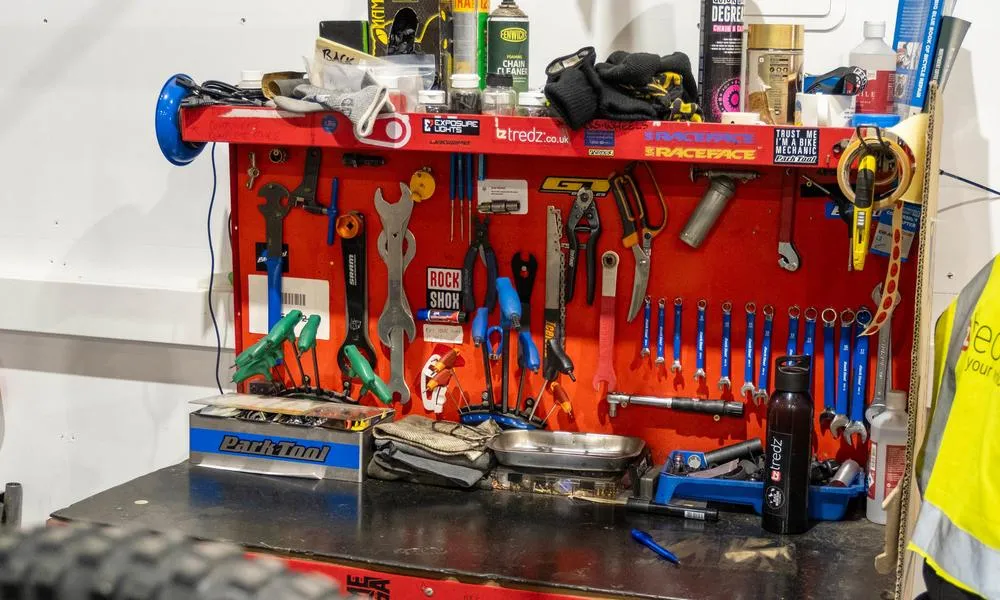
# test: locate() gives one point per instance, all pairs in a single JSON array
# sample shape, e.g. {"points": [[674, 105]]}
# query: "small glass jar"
{"points": [[432, 101], [499, 97], [532, 104], [466, 98]]}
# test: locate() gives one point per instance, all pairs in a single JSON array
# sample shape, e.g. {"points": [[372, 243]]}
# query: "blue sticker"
{"points": [[329, 124], [882, 242], [212, 441], [599, 138]]}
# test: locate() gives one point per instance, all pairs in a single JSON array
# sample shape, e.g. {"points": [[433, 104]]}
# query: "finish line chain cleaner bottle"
{"points": [[788, 449], [507, 43]]}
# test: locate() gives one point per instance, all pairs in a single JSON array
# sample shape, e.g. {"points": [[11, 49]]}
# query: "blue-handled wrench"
{"points": [[725, 383], [748, 350], [840, 420]]}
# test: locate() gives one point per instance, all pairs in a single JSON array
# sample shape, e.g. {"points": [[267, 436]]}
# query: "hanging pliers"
{"points": [[479, 245], [583, 221]]}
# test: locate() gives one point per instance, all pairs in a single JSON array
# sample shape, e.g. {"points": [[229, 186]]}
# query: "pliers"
{"points": [[583, 220], [480, 244]]}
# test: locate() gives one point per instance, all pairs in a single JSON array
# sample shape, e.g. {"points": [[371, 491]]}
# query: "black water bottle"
{"points": [[788, 448]]}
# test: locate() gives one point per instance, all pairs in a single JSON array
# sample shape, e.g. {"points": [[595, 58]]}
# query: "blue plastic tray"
{"points": [[826, 503]]}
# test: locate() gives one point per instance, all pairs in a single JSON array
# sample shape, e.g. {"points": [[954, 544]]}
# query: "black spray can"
{"points": [[788, 448]]}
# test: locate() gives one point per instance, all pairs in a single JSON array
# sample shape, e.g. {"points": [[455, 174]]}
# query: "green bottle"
{"points": [[507, 43]]}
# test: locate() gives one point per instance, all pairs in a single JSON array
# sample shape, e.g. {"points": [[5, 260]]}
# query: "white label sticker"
{"points": [[311, 296], [504, 196], [443, 334]]}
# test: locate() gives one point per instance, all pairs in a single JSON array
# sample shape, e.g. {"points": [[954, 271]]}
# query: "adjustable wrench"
{"points": [[275, 207], [396, 246], [661, 325], [859, 379], [699, 374], [748, 350], [725, 383], [678, 307], [788, 256], [647, 313], [829, 317], [353, 248], [792, 346], [883, 364], [605, 372], [840, 420], [764, 374]]}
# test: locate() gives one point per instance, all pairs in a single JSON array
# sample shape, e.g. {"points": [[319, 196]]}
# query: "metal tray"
{"points": [[566, 450]]}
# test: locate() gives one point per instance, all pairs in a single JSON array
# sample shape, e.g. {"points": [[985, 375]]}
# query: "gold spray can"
{"points": [[773, 71]]}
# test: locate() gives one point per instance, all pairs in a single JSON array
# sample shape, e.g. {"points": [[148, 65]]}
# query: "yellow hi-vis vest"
{"points": [[958, 470]]}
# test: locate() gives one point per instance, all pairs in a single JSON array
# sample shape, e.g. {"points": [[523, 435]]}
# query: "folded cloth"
{"points": [[359, 104], [483, 463], [439, 438], [391, 464]]}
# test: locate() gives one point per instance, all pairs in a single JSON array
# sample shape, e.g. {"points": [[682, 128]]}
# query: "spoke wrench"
{"points": [[748, 350], [840, 420], [353, 249], [883, 364], [276, 205], [829, 317], [396, 246], [764, 374], [678, 307], [725, 383], [699, 374], [859, 379]]}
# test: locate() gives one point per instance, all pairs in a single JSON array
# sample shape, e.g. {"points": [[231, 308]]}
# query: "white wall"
{"points": [[105, 241]]}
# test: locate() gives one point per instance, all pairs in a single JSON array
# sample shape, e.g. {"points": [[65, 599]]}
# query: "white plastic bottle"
{"points": [[887, 457], [878, 59]]}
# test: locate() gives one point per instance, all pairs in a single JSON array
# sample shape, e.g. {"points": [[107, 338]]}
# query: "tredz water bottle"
{"points": [[788, 448]]}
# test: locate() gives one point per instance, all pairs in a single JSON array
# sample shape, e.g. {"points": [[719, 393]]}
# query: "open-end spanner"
{"points": [[661, 325], [748, 350], [678, 312], [792, 346], [859, 380], [841, 420], [788, 256], [647, 313], [725, 383], [764, 373], [883, 364], [699, 374], [829, 317], [809, 341], [396, 246], [353, 248], [276, 205]]}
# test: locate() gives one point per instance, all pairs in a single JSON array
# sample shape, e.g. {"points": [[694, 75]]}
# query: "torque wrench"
{"points": [[725, 383], [748, 350]]}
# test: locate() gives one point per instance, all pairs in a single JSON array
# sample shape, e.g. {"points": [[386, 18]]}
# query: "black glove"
{"points": [[573, 87]]}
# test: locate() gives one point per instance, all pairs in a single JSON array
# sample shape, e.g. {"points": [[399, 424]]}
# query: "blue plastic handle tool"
{"points": [[474, 418], [727, 334], [844, 367], [809, 342], [470, 178], [647, 540], [529, 351], [859, 367], [273, 290], [764, 373], [459, 174], [829, 364], [647, 313], [479, 326], [661, 327], [792, 345], [700, 338], [512, 422], [510, 303], [493, 349], [749, 349], [678, 308], [331, 212]]}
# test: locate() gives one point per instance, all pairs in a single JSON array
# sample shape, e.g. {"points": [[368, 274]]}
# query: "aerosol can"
{"points": [[788, 448], [507, 43]]}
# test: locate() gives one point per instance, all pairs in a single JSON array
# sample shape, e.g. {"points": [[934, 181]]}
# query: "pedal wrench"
{"points": [[749, 350], [699, 374], [647, 313], [788, 256], [841, 420], [661, 326], [883, 364], [277, 203], [764, 374], [725, 383], [678, 308], [859, 378], [829, 317]]}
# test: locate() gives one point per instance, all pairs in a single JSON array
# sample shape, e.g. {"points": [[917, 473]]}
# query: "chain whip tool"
{"points": [[859, 378], [699, 373], [883, 364], [748, 350], [840, 420], [678, 308], [725, 383], [661, 313], [605, 373], [829, 317], [792, 346], [647, 312], [396, 320], [764, 374]]}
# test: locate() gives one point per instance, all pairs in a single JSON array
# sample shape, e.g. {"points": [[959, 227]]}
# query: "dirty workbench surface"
{"points": [[512, 539]]}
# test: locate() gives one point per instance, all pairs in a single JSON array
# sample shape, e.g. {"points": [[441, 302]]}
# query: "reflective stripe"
{"points": [[964, 307], [956, 554]]}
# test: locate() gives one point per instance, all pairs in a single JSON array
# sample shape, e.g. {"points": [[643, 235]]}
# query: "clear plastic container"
{"points": [[466, 97], [532, 104], [499, 97], [432, 101], [879, 62]]}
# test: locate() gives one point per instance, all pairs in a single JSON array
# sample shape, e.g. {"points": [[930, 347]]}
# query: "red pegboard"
{"points": [[738, 262]]}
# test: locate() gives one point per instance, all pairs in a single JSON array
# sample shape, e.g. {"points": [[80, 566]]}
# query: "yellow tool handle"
{"points": [[864, 199]]}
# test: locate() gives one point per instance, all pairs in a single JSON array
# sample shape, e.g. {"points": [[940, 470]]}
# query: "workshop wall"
{"points": [[105, 241]]}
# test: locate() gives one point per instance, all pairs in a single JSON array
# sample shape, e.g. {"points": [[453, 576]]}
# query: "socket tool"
{"points": [[721, 189]]}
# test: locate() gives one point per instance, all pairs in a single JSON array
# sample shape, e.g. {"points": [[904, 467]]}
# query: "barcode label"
{"points": [[292, 299]]}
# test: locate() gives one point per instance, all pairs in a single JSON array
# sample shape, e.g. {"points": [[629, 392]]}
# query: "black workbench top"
{"points": [[513, 539]]}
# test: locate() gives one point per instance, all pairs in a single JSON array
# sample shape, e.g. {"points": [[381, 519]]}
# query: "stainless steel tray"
{"points": [[566, 450]]}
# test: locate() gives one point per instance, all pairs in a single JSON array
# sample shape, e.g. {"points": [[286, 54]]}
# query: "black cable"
{"points": [[211, 275], [970, 182]]}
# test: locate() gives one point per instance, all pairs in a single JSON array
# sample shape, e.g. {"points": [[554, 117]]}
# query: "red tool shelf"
{"points": [[706, 143]]}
